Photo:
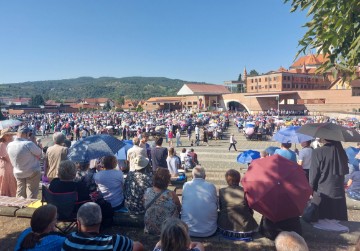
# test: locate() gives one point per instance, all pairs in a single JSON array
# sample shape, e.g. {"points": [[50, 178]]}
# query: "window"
{"points": [[274, 86], [259, 79], [270, 86], [274, 78], [154, 103], [252, 80], [252, 87], [283, 86], [266, 79], [265, 86], [194, 103], [290, 101], [284, 77]]}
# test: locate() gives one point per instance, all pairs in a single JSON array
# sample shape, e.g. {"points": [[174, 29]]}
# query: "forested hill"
{"points": [[88, 87]]}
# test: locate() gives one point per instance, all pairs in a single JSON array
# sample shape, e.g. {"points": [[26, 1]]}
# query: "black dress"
{"points": [[327, 171]]}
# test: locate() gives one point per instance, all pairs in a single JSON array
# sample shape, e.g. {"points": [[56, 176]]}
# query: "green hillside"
{"points": [[88, 87]]}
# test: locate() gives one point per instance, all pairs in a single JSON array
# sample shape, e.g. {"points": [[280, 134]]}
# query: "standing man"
{"points": [[197, 135], [304, 158], [54, 155], [232, 142], [24, 156], [199, 205], [189, 132], [159, 155], [135, 152]]}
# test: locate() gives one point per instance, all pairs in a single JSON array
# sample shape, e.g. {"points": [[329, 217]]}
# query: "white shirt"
{"points": [[172, 164], [111, 183], [197, 131], [199, 207], [24, 157]]}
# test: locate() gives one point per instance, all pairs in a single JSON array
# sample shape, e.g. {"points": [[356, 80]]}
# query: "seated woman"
{"points": [[353, 185], [173, 164], [85, 179], [110, 183], [41, 235], [66, 181], [235, 217], [160, 203], [175, 237], [136, 184]]}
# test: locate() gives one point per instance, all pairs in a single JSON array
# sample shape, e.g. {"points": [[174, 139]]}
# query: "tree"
{"points": [[334, 30], [37, 100], [107, 106], [240, 77], [120, 100], [253, 73], [139, 108]]}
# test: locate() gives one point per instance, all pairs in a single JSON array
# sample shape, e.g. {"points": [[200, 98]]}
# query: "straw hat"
{"points": [[6, 132], [140, 162]]}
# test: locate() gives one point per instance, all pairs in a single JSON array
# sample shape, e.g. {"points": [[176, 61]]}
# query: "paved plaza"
{"points": [[216, 158]]}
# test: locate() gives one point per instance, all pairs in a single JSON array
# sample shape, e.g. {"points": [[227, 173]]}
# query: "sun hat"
{"points": [[140, 162], [5, 132]]}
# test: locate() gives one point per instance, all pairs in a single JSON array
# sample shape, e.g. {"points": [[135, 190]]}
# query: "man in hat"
{"points": [[135, 152], [55, 154], [136, 184], [24, 156]]}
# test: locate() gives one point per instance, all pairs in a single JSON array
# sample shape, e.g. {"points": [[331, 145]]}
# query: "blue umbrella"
{"points": [[351, 152], [94, 147], [122, 153], [249, 124], [247, 156], [290, 135], [271, 150]]}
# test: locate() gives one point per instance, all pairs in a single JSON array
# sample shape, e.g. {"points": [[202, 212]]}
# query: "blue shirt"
{"points": [[51, 242], [290, 155]]}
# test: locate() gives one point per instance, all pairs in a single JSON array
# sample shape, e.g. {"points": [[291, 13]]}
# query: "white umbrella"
{"points": [[9, 123]]}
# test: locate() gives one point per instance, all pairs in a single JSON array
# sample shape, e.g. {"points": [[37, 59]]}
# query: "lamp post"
{"points": [[278, 103]]}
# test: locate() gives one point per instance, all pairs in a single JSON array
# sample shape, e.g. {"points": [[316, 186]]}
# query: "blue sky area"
{"points": [[194, 40]]}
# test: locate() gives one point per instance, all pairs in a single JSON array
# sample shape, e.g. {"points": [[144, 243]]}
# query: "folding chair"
{"points": [[66, 204]]}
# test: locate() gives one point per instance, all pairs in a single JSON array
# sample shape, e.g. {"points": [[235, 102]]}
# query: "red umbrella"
{"points": [[276, 187]]}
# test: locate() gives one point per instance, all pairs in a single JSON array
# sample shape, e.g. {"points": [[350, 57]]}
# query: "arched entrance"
{"points": [[235, 106]]}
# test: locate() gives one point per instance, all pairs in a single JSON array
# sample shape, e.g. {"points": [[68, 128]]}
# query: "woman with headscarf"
{"points": [[327, 171]]}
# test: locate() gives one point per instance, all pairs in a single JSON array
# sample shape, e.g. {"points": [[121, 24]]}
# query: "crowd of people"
{"points": [[142, 186]]}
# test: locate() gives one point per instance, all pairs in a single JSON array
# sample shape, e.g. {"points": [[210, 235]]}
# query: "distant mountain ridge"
{"points": [[89, 87]]}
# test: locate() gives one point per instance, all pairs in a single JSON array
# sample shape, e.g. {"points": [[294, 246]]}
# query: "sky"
{"points": [[193, 40]]}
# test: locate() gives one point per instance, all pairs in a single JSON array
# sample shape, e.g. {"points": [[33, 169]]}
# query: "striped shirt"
{"points": [[93, 241]]}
